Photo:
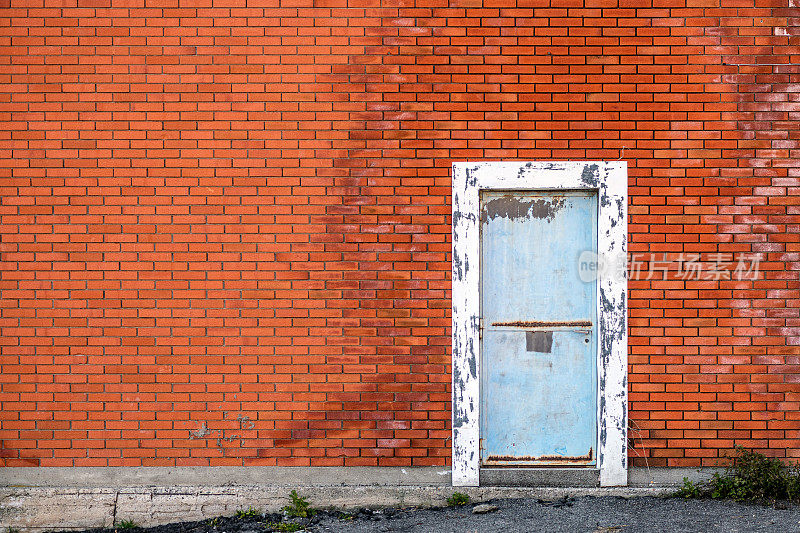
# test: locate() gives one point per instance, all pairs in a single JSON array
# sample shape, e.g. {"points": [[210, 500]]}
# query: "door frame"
{"points": [[610, 181]]}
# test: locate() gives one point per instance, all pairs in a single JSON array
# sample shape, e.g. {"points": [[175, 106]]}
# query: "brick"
{"points": [[249, 215]]}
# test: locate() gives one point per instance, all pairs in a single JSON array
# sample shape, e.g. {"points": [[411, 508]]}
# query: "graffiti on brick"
{"points": [[223, 435]]}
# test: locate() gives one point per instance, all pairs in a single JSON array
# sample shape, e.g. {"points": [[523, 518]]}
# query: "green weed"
{"points": [[249, 514], [751, 476], [127, 524], [690, 490], [299, 508], [457, 499]]}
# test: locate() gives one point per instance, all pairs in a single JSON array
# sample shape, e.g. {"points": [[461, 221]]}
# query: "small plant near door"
{"points": [[458, 499]]}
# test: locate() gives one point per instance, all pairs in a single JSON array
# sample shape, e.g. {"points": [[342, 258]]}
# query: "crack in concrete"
{"points": [[114, 510]]}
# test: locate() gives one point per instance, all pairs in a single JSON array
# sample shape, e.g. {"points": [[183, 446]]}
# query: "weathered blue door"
{"points": [[538, 329]]}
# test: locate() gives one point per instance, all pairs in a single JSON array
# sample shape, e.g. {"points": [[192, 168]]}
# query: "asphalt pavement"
{"points": [[581, 514]]}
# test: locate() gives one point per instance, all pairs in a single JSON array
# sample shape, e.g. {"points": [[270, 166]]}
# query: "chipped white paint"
{"points": [[610, 180]]}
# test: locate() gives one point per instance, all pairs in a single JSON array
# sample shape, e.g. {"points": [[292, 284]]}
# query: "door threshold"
{"points": [[539, 477]]}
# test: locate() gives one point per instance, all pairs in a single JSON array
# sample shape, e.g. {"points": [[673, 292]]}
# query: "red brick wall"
{"points": [[225, 230]]}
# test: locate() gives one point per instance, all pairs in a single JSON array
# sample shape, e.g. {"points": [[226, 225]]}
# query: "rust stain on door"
{"points": [[544, 323], [550, 460]]}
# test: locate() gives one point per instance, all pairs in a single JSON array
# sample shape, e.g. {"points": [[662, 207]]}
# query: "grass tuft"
{"points": [[249, 514], [458, 499]]}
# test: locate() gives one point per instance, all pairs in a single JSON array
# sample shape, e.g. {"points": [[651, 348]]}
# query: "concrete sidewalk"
{"points": [[81, 498]]}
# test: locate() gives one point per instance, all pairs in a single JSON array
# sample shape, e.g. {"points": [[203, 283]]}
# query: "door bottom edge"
{"points": [[542, 466], [541, 476]]}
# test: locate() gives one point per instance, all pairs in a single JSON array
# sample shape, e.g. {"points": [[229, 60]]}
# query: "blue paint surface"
{"points": [[535, 403]]}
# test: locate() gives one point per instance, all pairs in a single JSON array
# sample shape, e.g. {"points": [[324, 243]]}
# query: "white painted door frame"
{"points": [[610, 180]]}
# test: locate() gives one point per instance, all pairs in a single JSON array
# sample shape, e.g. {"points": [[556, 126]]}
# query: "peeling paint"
{"points": [[589, 175], [471, 180], [472, 360], [458, 265], [512, 207]]}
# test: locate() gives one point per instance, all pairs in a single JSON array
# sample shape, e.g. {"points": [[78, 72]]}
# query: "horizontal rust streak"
{"points": [[542, 323], [549, 464], [553, 458]]}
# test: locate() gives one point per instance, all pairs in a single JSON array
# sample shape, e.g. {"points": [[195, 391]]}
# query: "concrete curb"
{"points": [[37, 499], [40, 508]]}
